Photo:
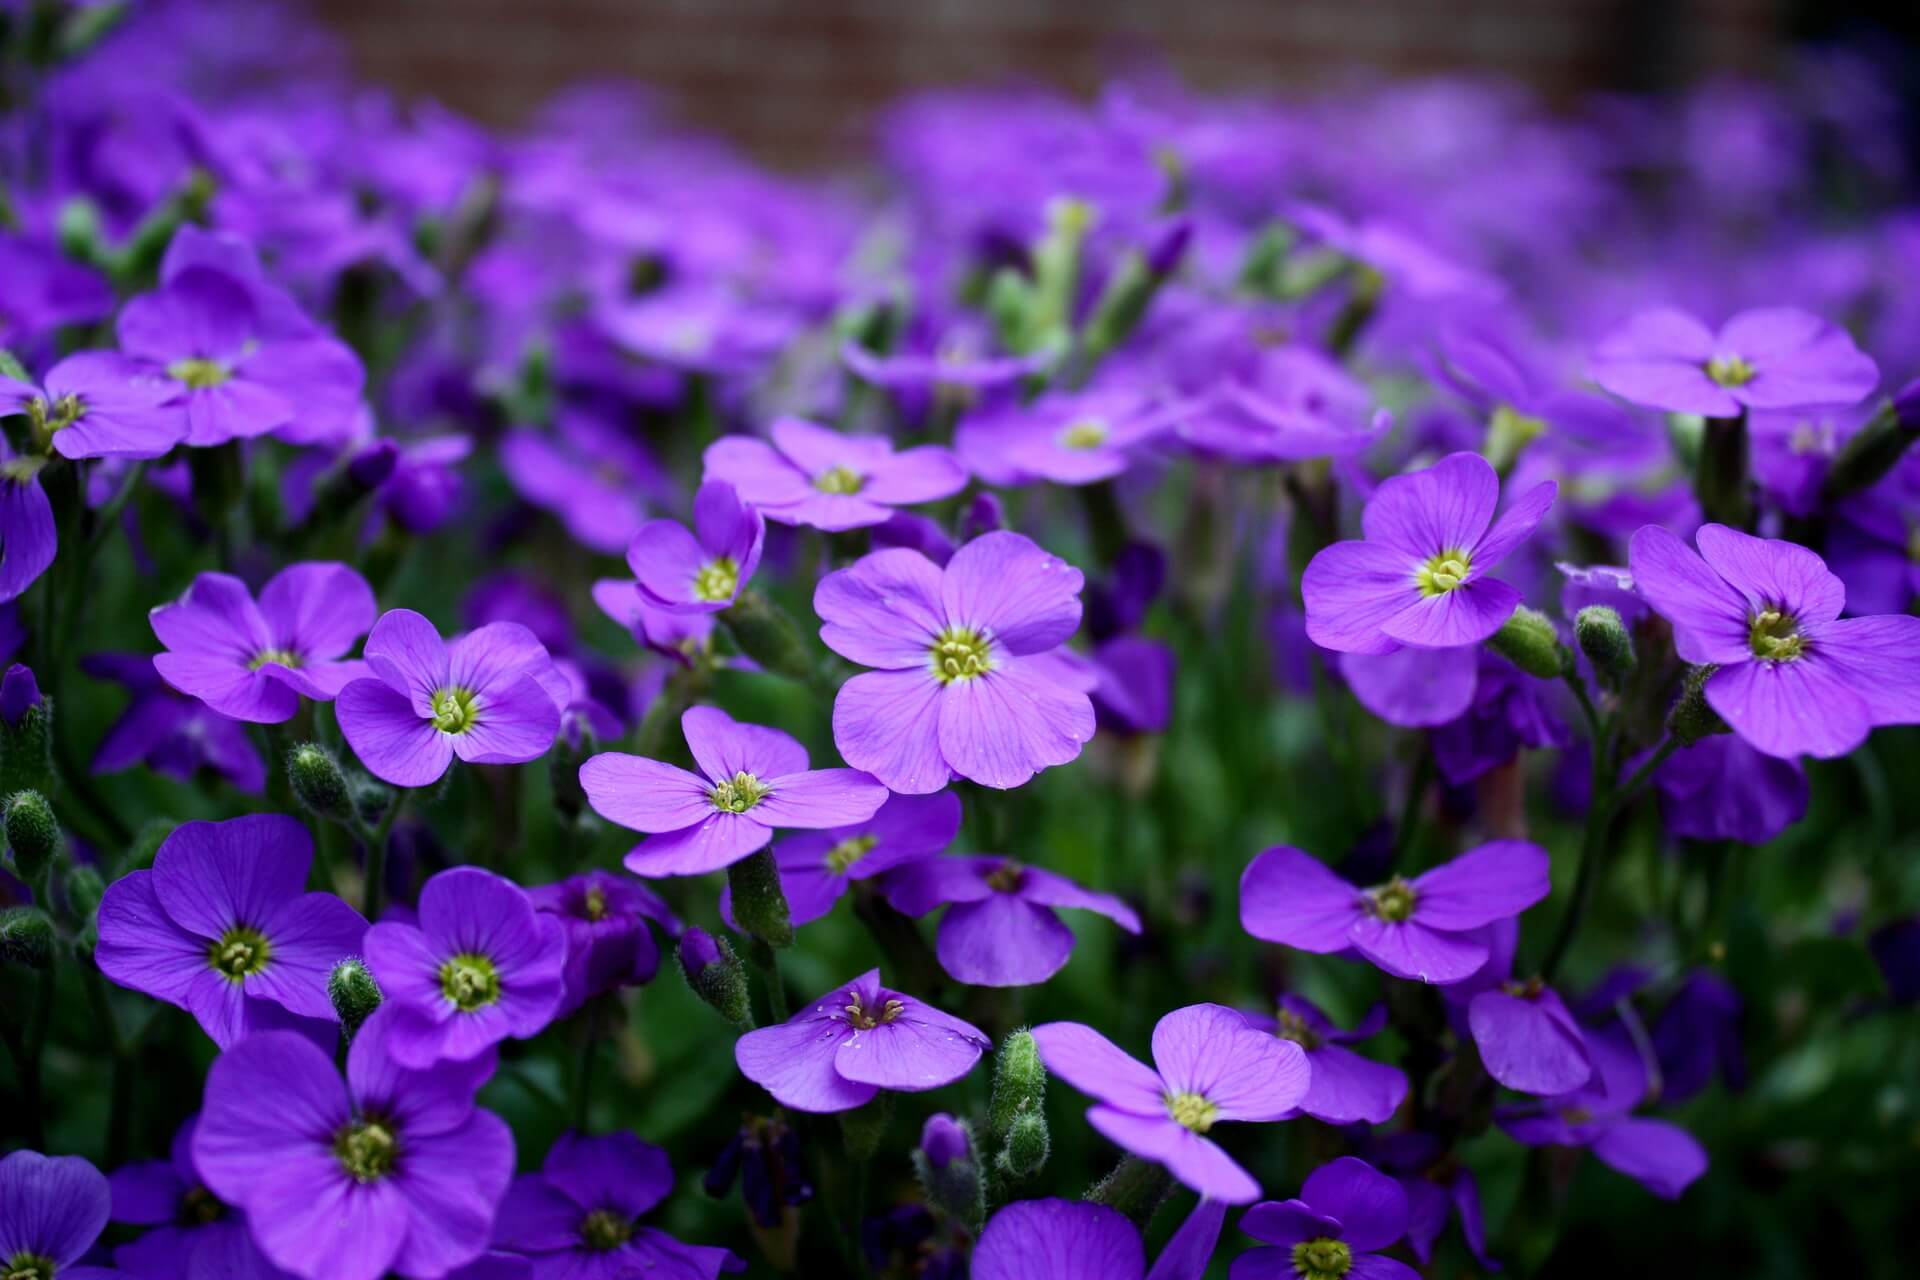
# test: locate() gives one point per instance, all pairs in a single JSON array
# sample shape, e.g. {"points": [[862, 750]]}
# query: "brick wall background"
{"points": [[797, 80]]}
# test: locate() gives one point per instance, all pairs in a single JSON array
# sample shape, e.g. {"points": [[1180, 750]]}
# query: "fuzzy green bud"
{"points": [[146, 842], [1019, 1081], [26, 734], [85, 887], [766, 634], [1530, 642], [33, 833], [26, 937], [353, 993], [716, 975], [759, 903], [1027, 1146], [1691, 717], [318, 782], [1876, 448], [1604, 638], [864, 1127]]}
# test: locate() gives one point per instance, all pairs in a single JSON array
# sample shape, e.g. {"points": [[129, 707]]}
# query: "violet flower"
{"points": [[580, 1215], [1345, 1087], [1415, 928], [1792, 677], [1436, 1184], [28, 539], [818, 867], [1346, 1213], [1419, 577], [1767, 358], [223, 924], [702, 571], [46, 291], [1000, 929], [1209, 1066], [588, 473], [481, 965], [98, 404], [608, 943], [388, 1170], [752, 779], [485, 698], [815, 476], [253, 661], [52, 1209], [1722, 789], [1527, 1039], [962, 686], [1073, 1240], [169, 732], [1065, 437], [854, 1041], [190, 1231]]}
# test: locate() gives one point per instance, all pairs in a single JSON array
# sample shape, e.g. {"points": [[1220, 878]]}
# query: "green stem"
{"points": [[768, 961], [583, 1078], [1410, 810], [120, 1109], [1607, 804], [376, 842]]}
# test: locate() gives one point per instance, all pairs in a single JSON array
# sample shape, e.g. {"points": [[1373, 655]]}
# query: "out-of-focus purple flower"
{"points": [[1768, 358], [1793, 678], [19, 693], [1419, 578], [1436, 1184], [1419, 928], [191, 1232], [854, 1041], [1290, 404], [98, 404], [608, 943], [485, 698], [1345, 1087], [755, 780], [515, 596], [683, 637], [1135, 693], [222, 924], [966, 683], [1599, 584], [701, 571], [256, 661], [1895, 947], [1407, 261], [698, 328], [1000, 928], [425, 485], [28, 538], [1661, 1157], [168, 732], [481, 965], [580, 1215], [52, 1209], [1066, 437], [389, 1169], [765, 1155], [818, 867], [1510, 711], [1210, 1065], [46, 291], [586, 472], [813, 475], [1346, 1213], [1698, 1037], [1722, 789]]}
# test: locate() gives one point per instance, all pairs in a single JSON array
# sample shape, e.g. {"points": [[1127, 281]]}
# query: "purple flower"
{"points": [[1419, 578], [764, 1153], [813, 475], [702, 571], [486, 698], [608, 943], [681, 637], [28, 538], [579, 1217], [191, 1231], [1417, 928], [52, 1209], [1291, 404], [588, 473], [19, 693], [755, 779], [1001, 929], [1135, 693], [1073, 1240], [1066, 437], [1415, 688], [232, 375], [1527, 1039], [817, 868], [853, 1042], [46, 292], [1436, 1184], [1347, 1212], [1793, 679], [1722, 789], [1510, 711], [1209, 1066], [389, 1170], [255, 661], [1345, 1087], [222, 924], [964, 685], [98, 405], [1663, 1158], [481, 965], [168, 732], [1768, 358], [1698, 1037]]}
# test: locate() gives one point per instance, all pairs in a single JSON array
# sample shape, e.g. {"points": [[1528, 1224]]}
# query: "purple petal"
{"points": [[1195, 1161], [1210, 1050], [217, 617], [210, 876], [820, 798], [1286, 1223], [728, 527], [794, 1062], [1414, 688], [927, 473], [405, 651], [1773, 574], [1004, 584], [452, 1183], [1186, 1255], [1514, 526], [51, 1206], [757, 471], [27, 536], [201, 313], [495, 655], [389, 736], [1532, 1045], [1411, 950], [1466, 615], [722, 746], [1351, 589], [617, 1169], [922, 1049], [1097, 1067], [1371, 1207], [884, 611], [718, 840], [887, 723], [1879, 657], [1058, 1240], [926, 885], [1659, 359], [1787, 709], [1289, 896], [1348, 1088], [1445, 507], [1663, 1158], [644, 795], [140, 947], [306, 1213], [309, 936], [1045, 887], [665, 560], [1709, 617], [269, 1097], [146, 1192], [511, 723], [1003, 727], [1499, 879], [1002, 941]]}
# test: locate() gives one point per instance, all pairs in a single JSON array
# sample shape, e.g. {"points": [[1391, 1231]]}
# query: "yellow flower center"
{"points": [[454, 710], [199, 373], [1775, 636], [1088, 433], [1192, 1111], [28, 1266], [603, 1230], [849, 851], [716, 581], [594, 903], [367, 1150], [860, 1018], [1293, 1027], [1392, 901], [960, 653], [277, 657], [739, 793], [470, 981], [1730, 371], [1007, 877], [1442, 573], [240, 952], [1322, 1259], [839, 480]]}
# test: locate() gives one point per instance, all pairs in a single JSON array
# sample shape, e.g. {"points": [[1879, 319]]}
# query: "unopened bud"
{"points": [[318, 782], [33, 833], [85, 887], [759, 903], [1027, 1146], [1019, 1081], [949, 1173], [26, 937], [19, 693], [716, 975], [1530, 642], [26, 733], [354, 995], [1876, 448], [1604, 638], [1692, 718], [767, 635]]}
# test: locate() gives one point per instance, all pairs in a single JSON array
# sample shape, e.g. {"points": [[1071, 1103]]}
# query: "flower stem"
{"points": [[376, 842], [120, 1109]]}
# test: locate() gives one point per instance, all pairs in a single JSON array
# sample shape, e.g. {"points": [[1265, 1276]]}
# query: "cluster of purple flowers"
{"points": [[1029, 547]]}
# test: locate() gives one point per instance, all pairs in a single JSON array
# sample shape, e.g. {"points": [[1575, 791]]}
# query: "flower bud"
{"points": [[85, 887], [371, 465], [318, 782], [146, 842], [26, 733], [1604, 638], [26, 937], [354, 995], [767, 635], [985, 514], [759, 903], [33, 833], [1019, 1081], [716, 975], [1027, 1146], [19, 693], [949, 1174], [1692, 718], [1530, 642], [1876, 448]]}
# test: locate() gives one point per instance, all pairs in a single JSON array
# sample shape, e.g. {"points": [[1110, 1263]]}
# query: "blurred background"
{"points": [[798, 82]]}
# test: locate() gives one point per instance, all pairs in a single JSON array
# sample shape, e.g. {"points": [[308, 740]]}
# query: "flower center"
{"points": [[739, 793], [1775, 636], [1322, 1259], [717, 581], [1576, 1115], [61, 414], [1293, 1027], [1730, 371], [959, 653], [603, 1230], [839, 480], [1528, 990], [199, 373], [454, 710], [29, 1266], [1392, 901], [1192, 1111], [1088, 433], [1442, 573], [278, 657], [240, 952], [366, 1150], [1007, 877], [470, 981], [849, 851], [593, 904], [860, 1019], [199, 1207]]}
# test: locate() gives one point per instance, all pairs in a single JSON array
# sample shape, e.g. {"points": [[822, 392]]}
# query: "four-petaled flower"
{"points": [[1768, 358], [1347, 1212], [98, 404], [812, 475], [705, 570]]}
